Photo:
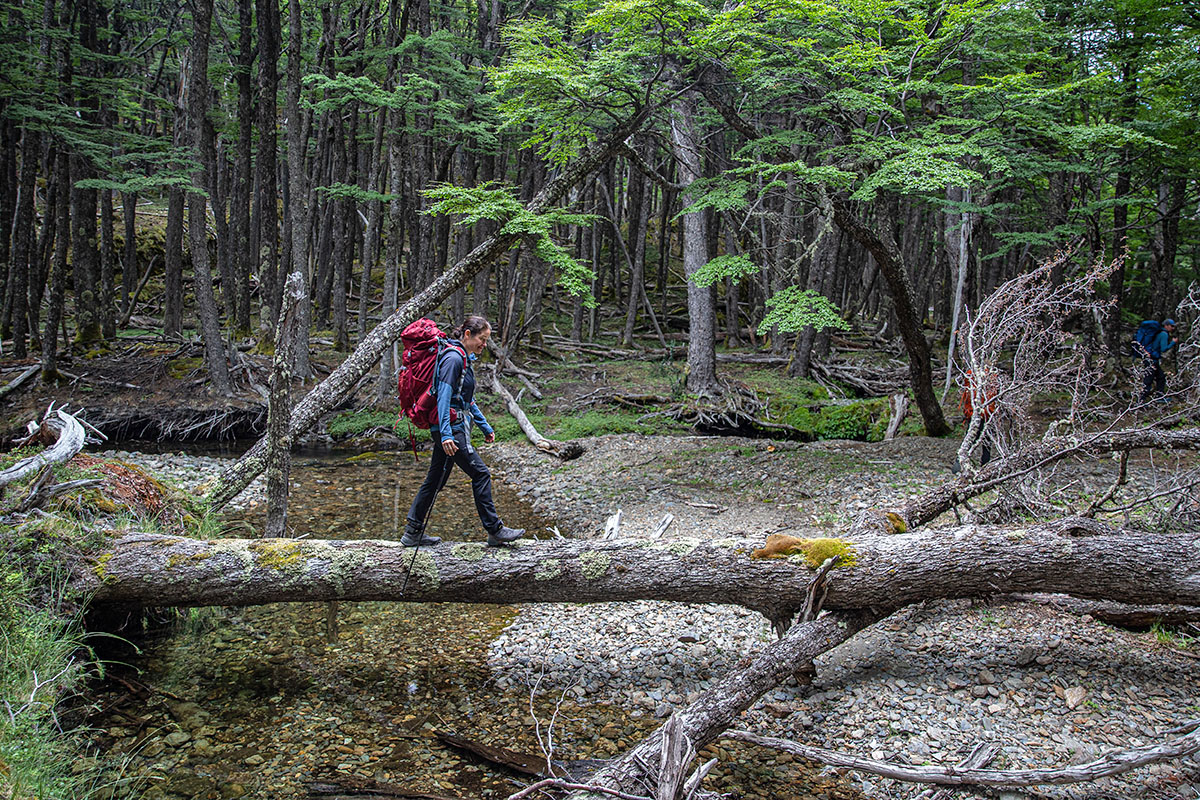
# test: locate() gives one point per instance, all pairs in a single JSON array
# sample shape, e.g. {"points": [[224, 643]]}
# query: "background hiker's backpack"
{"points": [[1144, 339], [423, 344]]}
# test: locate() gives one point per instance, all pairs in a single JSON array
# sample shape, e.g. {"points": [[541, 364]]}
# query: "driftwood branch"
{"points": [[44, 489], [563, 450], [16, 382], [899, 412], [71, 438], [1114, 763]]}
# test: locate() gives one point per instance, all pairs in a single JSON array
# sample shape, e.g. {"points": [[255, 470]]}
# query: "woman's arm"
{"points": [[480, 419]]}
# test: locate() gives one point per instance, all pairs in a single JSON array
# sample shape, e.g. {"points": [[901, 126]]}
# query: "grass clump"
{"points": [[43, 664]]}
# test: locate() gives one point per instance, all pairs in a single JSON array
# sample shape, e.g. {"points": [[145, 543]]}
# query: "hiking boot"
{"points": [[504, 536], [413, 538]]}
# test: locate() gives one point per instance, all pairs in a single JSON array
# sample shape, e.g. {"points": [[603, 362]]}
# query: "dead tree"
{"points": [[279, 454], [564, 450], [1015, 346]]}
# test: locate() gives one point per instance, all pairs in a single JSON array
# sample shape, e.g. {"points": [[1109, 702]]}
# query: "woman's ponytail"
{"points": [[473, 324]]}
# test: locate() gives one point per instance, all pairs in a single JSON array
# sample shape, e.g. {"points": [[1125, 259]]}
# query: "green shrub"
{"points": [[844, 422]]}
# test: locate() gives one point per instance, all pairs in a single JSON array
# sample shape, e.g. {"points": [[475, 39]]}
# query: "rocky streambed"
{"points": [[262, 701], [265, 701]]}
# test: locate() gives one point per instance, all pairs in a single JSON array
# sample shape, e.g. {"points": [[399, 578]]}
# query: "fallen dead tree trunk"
{"points": [[1122, 615], [564, 450], [887, 571], [1041, 454]]}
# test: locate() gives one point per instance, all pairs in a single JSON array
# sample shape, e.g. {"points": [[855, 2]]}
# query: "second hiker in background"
{"points": [[1150, 342]]}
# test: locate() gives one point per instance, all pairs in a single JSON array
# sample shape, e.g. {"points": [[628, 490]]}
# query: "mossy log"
{"points": [[886, 571]]}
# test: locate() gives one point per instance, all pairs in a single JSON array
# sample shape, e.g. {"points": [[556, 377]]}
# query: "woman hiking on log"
{"points": [[454, 379]]}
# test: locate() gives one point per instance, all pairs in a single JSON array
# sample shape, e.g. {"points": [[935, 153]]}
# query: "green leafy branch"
{"points": [[793, 309], [497, 203]]}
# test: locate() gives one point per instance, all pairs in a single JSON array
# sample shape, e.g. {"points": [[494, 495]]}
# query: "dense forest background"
{"points": [[749, 174]]}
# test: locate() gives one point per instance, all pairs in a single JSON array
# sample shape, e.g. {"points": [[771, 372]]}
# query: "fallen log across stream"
{"points": [[883, 571]]}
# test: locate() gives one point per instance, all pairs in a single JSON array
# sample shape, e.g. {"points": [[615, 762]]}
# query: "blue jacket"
{"points": [[1160, 345], [450, 372]]}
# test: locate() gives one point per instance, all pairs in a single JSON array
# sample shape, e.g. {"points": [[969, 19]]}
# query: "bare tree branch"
{"points": [[1114, 763]]}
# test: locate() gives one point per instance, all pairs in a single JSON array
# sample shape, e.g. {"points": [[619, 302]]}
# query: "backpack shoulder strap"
{"points": [[444, 345]]}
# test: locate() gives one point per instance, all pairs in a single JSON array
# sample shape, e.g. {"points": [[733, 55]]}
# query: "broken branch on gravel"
{"points": [[1114, 763], [564, 450], [1038, 455], [717, 707]]}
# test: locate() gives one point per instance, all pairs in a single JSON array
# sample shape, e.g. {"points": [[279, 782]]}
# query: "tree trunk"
{"points": [[108, 258], [279, 408], [84, 256], [266, 213], [242, 258], [21, 254], [1164, 297], [173, 265], [129, 260], [297, 140], [887, 571], [702, 312], [639, 218], [958, 235], [202, 142], [879, 241], [59, 267]]}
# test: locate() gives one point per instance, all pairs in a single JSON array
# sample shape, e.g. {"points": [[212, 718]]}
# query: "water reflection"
{"points": [[336, 496]]}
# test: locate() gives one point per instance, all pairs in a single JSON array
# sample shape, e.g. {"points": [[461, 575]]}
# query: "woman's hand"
{"points": [[490, 437], [449, 447]]}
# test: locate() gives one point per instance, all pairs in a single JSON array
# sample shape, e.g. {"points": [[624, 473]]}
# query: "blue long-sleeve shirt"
{"points": [[452, 370]]}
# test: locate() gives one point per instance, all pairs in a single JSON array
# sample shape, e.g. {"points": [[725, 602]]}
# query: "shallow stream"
{"points": [[267, 701]]}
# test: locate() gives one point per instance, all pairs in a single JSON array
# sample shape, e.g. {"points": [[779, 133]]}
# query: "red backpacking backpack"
{"points": [[423, 344]]}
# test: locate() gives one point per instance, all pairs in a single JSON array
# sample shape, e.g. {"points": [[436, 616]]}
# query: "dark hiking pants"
{"points": [[440, 467], [1153, 379]]}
